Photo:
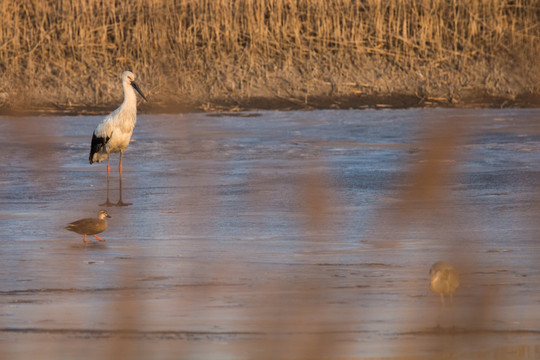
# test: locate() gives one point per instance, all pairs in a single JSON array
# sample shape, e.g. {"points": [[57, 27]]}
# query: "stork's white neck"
{"points": [[130, 99]]}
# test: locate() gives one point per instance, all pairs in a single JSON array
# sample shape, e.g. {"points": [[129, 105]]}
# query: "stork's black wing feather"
{"points": [[97, 144]]}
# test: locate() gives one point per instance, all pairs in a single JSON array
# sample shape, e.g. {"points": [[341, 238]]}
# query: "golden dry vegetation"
{"points": [[202, 53]]}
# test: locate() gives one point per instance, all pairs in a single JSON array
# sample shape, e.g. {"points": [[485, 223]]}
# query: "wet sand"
{"points": [[471, 98], [301, 234]]}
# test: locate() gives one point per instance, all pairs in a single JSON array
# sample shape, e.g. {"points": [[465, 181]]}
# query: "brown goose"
{"points": [[90, 226]]}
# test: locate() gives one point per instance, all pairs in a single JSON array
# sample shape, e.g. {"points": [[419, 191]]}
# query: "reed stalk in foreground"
{"points": [[63, 53]]}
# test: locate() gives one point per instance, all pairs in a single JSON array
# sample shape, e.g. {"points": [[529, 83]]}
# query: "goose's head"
{"points": [[102, 214]]}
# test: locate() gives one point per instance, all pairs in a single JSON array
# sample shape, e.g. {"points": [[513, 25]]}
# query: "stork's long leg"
{"points": [[120, 164], [120, 202], [107, 203]]}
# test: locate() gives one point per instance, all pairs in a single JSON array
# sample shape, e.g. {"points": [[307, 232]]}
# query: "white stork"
{"points": [[113, 134]]}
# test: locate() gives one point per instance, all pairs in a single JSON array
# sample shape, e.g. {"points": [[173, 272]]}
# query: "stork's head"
{"points": [[129, 78]]}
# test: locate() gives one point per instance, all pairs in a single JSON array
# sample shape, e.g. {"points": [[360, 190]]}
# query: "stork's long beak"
{"points": [[136, 87]]}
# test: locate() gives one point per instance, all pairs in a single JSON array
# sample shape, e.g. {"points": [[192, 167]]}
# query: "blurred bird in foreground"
{"points": [[444, 280]]}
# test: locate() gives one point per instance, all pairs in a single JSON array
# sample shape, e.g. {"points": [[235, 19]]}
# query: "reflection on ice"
{"points": [[300, 234]]}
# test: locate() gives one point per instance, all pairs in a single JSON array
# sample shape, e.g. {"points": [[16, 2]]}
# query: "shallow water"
{"points": [[274, 234]]}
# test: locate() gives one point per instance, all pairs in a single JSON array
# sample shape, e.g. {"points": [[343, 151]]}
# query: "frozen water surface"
{"points": [[255, 235]]}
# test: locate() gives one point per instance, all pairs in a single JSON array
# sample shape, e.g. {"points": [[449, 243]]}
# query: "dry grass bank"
{"points": [[202, 53]]}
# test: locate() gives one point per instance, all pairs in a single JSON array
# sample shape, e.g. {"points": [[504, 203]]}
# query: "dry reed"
{"points": [[195, 52]]}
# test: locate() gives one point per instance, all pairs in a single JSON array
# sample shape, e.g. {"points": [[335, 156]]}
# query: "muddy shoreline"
{"points": [[477, 99]]}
